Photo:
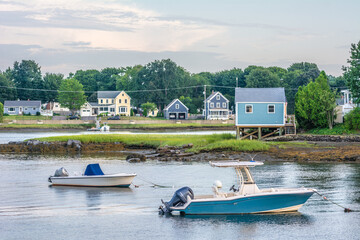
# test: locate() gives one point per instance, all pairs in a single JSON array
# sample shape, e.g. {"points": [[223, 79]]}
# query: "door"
{"points": [[172, 115], [181, 115]]}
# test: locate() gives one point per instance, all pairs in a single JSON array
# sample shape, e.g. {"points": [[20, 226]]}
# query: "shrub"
{"points": [[352, 119], [1, 112], [37, 113]]}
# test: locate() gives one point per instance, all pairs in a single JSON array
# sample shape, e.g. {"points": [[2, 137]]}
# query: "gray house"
{"points": [[176, 110], [216, 107], [22, 107]]}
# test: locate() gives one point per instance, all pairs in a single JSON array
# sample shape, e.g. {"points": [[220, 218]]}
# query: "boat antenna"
{"points": [[252, 157]]}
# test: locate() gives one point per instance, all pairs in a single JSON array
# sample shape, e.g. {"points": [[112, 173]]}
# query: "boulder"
{"points": [[133, 160], [141, 157]]}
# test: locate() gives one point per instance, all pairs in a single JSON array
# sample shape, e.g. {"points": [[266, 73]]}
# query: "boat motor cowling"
{"points": [[179, 199]]}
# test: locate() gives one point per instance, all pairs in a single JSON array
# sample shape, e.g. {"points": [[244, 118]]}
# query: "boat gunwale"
{"points": [[117, 175]]}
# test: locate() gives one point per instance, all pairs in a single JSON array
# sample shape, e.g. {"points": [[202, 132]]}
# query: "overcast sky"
{"points": [[63, 36]]}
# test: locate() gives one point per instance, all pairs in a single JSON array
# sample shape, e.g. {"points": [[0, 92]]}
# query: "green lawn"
{"points": [[215, 142], [167, 125], [338, 129], [26, 117]]}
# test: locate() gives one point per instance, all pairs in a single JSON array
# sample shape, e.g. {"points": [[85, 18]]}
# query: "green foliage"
{"points": [[188, 103], [71, 94], [131, 112], [1, 112], [338, 129], [6, 93], [262, 77], [38, 114], [352, 119], [51, 81], [148, 107], [315, 104], [352, 72], [26, 74]]}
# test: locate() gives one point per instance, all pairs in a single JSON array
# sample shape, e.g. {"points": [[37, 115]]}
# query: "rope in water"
{"points": [[153, 184], [325, 198]]}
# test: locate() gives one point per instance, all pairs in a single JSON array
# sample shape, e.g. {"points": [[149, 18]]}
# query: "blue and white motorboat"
{"points": [[244, 199]]}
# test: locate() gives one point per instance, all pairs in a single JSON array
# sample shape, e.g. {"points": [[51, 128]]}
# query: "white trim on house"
{"points": [[172, 102], [216, 95], [268, 108]]}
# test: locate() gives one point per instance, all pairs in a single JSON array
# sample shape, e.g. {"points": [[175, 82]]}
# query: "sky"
{"points": [[63, 36]]}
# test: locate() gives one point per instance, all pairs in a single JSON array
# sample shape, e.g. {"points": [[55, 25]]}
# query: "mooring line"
{"points": [[325, 198], [153, 184]]}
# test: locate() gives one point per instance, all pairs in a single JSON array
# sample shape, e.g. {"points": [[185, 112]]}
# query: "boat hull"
{"points": [[115, 180], [259, 203]]}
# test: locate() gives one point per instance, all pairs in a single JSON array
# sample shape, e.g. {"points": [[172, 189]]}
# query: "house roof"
{"points": [[260, 95], [172, 102], [95, 104], [22, 103], [110, 94], [213, 95]]}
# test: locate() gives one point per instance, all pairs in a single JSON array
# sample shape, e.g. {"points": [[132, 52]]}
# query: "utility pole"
{"points": [[205, 114]]}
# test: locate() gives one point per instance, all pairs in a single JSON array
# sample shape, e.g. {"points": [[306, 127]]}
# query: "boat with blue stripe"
{"points": [[246, 198]]}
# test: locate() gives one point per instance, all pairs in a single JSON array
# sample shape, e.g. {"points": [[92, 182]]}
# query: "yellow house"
{"points": [[153, 113], [116, 102]]}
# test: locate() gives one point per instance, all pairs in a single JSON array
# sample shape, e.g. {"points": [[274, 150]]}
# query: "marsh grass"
{"points": [[215, 142], [49, 126], [168, 125]]}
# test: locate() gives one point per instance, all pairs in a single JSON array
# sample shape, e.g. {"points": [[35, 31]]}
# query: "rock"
{"points": [[190, 145], [141, 157], [133, 160], [74, 144], [33, 142], [16, 143]]}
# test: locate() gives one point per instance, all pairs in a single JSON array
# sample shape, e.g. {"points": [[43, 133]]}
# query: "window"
{"points": [[56, 105], [122, 109], [271, 108], [25, 109], [119, 100], [34, 109], [101, 101], [122, 94], [248, 108], [224, 104], [112, 109], [176, 106], [84, 110], [101, 109], [106, 109], [217, 105], [88, 110], [112, 101], [212, 105], [11, 109], [125, 100], [107, 101], [218, 97]]}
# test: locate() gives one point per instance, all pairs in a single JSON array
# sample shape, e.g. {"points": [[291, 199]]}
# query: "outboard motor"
{"points": [[61, 172], [179, 199]]}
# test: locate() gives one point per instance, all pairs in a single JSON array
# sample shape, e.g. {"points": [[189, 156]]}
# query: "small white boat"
{"points": [[244, 199], [93, 177]]}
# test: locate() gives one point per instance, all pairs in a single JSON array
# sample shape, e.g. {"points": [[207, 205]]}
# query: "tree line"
{"points": [[18, 81]]}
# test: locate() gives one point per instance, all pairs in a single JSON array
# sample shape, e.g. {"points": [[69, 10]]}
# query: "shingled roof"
{"points": [[109, 94], [22, 103], [260, 95]]}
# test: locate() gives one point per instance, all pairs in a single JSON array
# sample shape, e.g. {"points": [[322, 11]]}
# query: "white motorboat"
{"points": [[93, 177], [246, 198]]}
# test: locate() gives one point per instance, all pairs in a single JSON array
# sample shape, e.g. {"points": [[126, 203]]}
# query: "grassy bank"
{"points": [[215, 142], [169, 126], [26, 117], [46, 126]]}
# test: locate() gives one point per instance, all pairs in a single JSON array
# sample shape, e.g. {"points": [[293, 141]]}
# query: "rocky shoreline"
{"points": [[338, 150]]}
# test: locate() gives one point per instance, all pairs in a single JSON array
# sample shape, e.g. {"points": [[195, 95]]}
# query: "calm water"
{"points": [[30, 209], [21, 135]]}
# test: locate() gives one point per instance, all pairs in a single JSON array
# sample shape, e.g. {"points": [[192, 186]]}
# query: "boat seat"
{"points": [[217, 193]]}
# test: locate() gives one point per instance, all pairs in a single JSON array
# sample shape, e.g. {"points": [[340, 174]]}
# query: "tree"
{"points": [[352, 119], [6, 90], [1, 112], [88, 79], [352, 72], [148, 107], [52, 81], [262, 78], [71, 95], [315, 104], [27, 74], [309, 71], [188, 103]]}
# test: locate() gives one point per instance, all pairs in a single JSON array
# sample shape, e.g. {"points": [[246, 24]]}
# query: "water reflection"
{"points": [[279, 219]]}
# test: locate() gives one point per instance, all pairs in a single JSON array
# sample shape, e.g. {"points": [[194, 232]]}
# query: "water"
{"points": [[24, 134], [30, 209]]}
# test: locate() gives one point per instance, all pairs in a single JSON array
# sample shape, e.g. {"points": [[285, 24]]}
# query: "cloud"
{"points": [[76, 44]]}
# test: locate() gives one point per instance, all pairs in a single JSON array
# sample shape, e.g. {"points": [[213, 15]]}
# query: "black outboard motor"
{"points": [[179, 199]]}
